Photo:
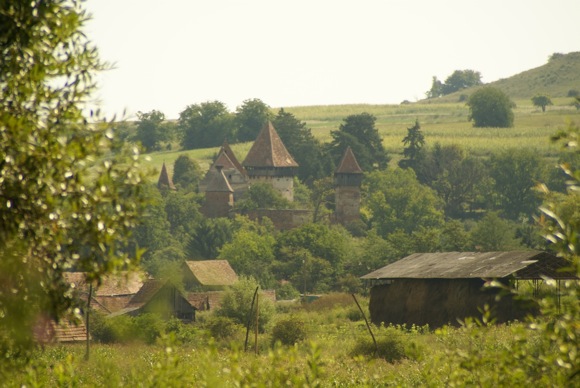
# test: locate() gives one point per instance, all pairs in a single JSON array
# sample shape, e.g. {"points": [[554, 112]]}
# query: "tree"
{"points": [[236, 304], [516, 172], [150, 130], [493, 233], [250, 253], [395, 200], [209, 237], [360, 134], [205, 125], [186, 173], [70, 193], [313, 162], [459, 79], [414, 143], [490, 107], [457, 177], [250, 118], [542, 101], [262, 195]]}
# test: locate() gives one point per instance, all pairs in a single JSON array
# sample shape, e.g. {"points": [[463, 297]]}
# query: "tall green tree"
{"points": [[308, 152], [69, 193], [516, 173], [395, 200], [186, 173], [414, 143], [490, 107], [250, 118], [360, 134], [205, 125], [150, 130]]}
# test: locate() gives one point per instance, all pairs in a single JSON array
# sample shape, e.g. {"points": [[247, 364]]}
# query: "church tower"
{"points": [[347, 181], [219, 196], [269, 161]]}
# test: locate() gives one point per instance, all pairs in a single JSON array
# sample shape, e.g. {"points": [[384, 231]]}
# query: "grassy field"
{"points": [[444, 123], [337, 352]]}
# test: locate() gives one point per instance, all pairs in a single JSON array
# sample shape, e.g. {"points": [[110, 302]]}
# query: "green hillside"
{"points": [[555, 78], [444, 120]]}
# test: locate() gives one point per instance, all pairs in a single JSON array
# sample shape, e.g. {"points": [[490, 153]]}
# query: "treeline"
{"points": [[437, 198]]}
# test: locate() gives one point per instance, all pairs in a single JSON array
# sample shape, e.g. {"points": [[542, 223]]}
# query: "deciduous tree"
{"points": [[490, 107], [250, 118], [150, 130], [205, 125], [69, 194], [542, 101]]}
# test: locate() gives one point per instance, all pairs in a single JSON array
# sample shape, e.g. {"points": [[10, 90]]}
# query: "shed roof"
{"points": [[463, 265], [268, 150], [349, 164], [212, 272]]}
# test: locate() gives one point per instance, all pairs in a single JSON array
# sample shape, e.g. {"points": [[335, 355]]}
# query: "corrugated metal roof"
{"points": [[212, 272], [463, 265], [349, 164], [268, 150]]}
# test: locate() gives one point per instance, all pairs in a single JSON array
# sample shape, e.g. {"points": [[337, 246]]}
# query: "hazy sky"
{"points": [[174, 53]]}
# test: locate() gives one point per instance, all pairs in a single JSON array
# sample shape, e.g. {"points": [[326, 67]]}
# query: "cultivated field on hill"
{"points": [[444, 123]]}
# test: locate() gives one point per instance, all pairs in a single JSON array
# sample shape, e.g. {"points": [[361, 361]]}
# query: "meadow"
{"points": [[444, 123], [337, 352]]}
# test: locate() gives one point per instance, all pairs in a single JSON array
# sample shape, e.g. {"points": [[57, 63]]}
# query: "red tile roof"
{"points": [[269, 151], [349, 164]]}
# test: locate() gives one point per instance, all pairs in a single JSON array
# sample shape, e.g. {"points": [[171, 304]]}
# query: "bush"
{"points": [[330, 301], [289, 331], [237, 302], [287, 291], [573, 93], [390, 349], [222, 327]]}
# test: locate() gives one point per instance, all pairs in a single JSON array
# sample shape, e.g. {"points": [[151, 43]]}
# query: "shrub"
{"points": [[289, 331], [287, 291], [237, 302], [222, 327], [148, 327], [573, 93], [390, 349]]}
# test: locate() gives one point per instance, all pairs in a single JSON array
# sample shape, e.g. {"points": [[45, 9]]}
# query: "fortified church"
{"points": [[268, 160]]}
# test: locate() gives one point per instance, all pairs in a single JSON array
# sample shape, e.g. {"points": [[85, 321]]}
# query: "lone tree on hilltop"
{"points": [[490, 107], [542, 101]]}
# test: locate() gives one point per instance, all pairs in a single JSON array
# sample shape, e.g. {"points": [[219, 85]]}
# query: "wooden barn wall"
{"points": [[438, 302]]}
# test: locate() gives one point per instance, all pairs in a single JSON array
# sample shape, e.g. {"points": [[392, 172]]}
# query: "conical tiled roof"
{"points": [[348, 164], [219, 182], [165, 179], [230, 154], [269, 151]]}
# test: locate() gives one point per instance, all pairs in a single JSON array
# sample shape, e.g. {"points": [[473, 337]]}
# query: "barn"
{"points": [[443, 288]]}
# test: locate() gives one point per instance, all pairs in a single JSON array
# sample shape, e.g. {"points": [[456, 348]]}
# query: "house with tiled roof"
{"points": [[114, 292], [205, 281]]}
